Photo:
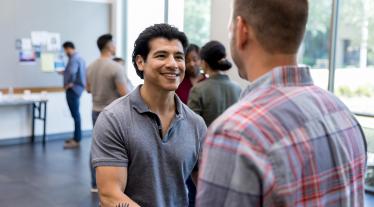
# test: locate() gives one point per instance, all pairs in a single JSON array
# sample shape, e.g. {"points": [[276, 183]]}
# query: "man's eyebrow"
{"points": [[164, 51], [180, 53]]}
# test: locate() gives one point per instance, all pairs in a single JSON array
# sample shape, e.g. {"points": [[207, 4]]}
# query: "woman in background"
{"points": [[193, 75], [213, 96]]}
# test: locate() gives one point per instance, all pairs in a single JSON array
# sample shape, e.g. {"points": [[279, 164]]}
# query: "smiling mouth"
{"points": [[171, 75]]}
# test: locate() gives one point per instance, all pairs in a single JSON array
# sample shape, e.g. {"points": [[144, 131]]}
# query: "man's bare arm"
{"points": [[121, 88], [88, 86], [111, 182]]}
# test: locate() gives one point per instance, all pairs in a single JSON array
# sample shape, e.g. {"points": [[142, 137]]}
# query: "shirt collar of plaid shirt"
{"points": [[282, 76]]}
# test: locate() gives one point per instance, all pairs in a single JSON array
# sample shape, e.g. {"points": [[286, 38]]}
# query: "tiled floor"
{"points": [[34, 176]]}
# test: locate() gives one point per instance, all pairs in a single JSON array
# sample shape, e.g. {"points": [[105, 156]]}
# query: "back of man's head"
{"points": [[103, 41], [279, 25], [142, 47], [68, 44]]}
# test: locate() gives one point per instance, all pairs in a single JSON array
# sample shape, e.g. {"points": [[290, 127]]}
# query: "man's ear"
{"points": [[242, 32], [140, 62]]}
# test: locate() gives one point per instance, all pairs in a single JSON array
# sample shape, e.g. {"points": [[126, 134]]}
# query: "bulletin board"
{"points": [[79, 22]]}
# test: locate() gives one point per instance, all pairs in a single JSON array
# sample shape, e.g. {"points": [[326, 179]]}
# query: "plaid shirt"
{"points": [[286, 143]]}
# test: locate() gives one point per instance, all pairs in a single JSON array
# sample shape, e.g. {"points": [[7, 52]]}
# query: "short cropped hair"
{"points": [[142, 47], [68, 44], [103, 40], [279, 25], [118, 59]]}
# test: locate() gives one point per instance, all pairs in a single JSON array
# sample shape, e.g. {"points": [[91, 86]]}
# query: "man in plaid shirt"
{"points": [[287, 142]]}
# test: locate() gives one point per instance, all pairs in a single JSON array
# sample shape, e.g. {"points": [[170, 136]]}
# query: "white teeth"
{"points": [[171, 75]]}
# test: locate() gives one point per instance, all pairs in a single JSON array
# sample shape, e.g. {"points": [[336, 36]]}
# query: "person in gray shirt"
{"points": [[210, 98], [105, 81], [147, 143]]}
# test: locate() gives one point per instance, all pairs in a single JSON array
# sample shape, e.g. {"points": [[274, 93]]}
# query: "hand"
{"points": [[69, 85]]}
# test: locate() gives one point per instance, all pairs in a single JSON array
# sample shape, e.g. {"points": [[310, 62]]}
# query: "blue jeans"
{"points": [[73, 103], [95, 114]]}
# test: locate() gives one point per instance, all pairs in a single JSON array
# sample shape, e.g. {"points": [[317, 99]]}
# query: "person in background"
{"points": [[191, 78], [193, 75], [147, 144], [74, 84], [286, 142], [210, 98], [105, 81], [129, 85]]}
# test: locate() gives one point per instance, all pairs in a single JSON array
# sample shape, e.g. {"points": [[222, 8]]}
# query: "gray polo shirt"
{"points": [[128, 134]]}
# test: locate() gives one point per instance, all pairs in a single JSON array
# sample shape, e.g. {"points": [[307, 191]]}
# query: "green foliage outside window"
{"points": [[197, 21]]}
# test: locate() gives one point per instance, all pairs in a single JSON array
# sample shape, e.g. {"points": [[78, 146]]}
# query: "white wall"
{"points": [[15, 121], [219, 31]]}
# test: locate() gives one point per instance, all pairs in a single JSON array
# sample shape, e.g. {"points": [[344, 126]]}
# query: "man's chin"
{"points": [[171, 87]]}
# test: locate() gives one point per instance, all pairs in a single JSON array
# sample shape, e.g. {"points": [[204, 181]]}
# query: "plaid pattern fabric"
{"points": [[285, 143]]}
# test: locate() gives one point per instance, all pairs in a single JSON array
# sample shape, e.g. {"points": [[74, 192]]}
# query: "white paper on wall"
{"points": [[54, 42], [26, 44], [47, 62], [39, 38]]}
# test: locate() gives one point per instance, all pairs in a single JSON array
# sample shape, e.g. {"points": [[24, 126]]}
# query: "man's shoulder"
{"points": [[77, 57], [200, 87], [93, 64], [119, 107], [234, 115]]}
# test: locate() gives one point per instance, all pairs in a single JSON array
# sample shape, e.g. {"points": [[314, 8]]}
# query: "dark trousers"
{"points": [[73, 103], [95, 115]]}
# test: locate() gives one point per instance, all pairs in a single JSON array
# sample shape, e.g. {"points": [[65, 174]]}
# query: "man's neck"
{"points": [[106, 55], [159, 101], [263, 64]]}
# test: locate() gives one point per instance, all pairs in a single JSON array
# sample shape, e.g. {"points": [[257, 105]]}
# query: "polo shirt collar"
{"points": [[139, 105]]}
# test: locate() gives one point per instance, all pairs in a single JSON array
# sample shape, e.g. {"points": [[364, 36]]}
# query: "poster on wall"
{"points": [[54, 42], [39, 38], [59, 62], [26, 44], [18, 44], [47, 61], [27, 56]]}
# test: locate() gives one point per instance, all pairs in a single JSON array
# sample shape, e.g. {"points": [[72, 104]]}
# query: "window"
{"points": [[314, 50], [354, 76], [140, 17], [197, 21]]}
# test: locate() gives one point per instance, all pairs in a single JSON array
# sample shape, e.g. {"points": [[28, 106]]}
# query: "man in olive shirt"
{"points": [[148, 143]]}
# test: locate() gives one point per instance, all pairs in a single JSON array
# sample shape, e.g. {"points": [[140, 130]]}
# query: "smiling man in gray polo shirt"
{"points": [[147, 144]]}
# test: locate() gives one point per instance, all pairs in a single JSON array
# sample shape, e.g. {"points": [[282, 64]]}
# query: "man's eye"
{"points": [[179, 57], [160, 56]]}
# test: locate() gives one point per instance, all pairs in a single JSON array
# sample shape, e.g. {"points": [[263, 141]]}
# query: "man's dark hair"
{"points": [[142, 48], [279, 25], [192, 48], [68, 44], [103, 40], [118, 59]]}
